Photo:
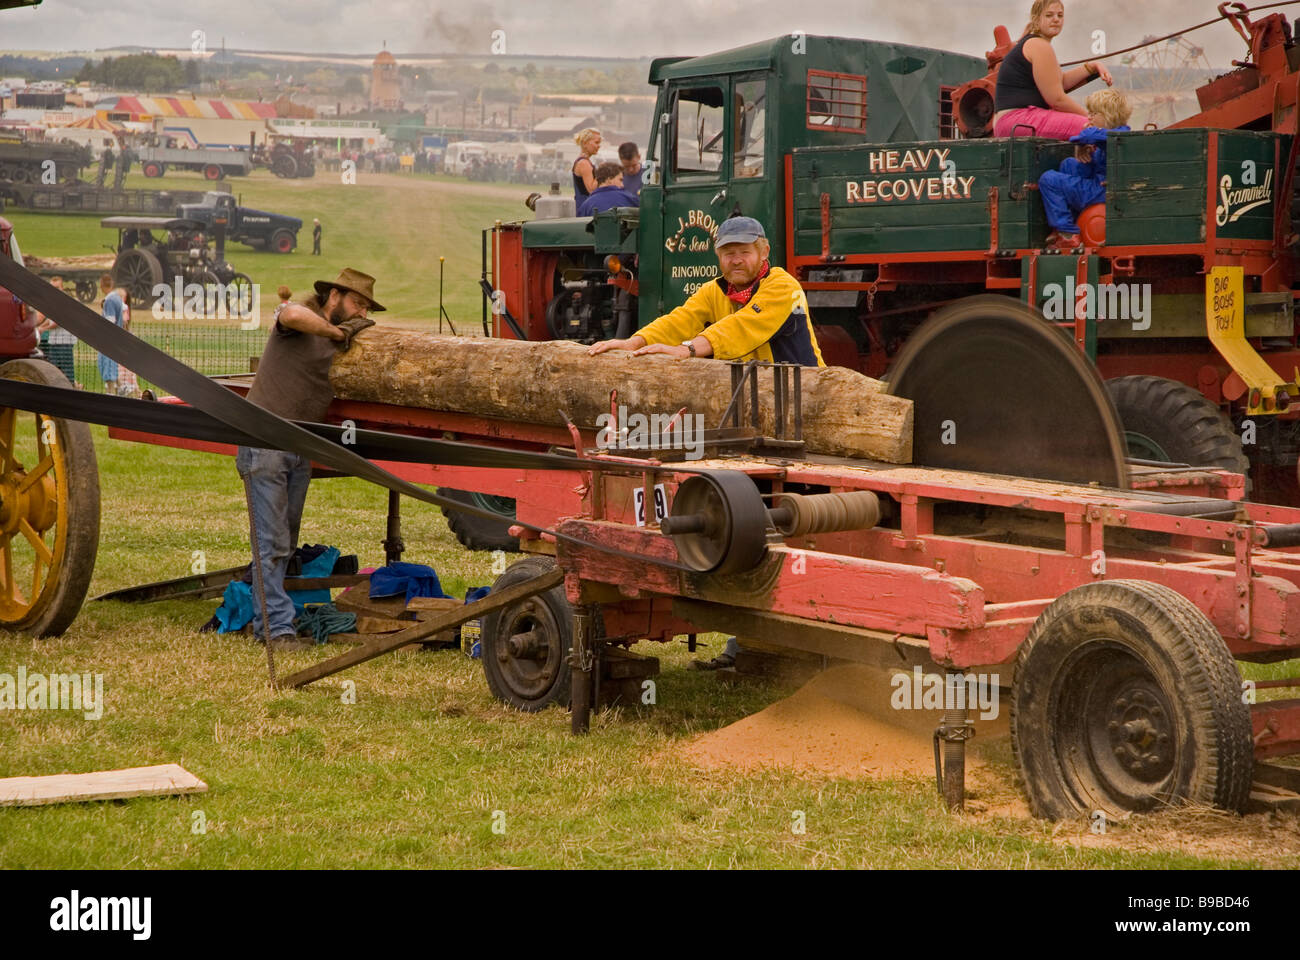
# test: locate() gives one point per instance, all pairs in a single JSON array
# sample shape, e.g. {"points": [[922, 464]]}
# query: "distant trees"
{"points": [[141, 71]]}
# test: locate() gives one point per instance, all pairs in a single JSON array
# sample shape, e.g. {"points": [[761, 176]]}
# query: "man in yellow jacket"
{"points": [[753, 311]]}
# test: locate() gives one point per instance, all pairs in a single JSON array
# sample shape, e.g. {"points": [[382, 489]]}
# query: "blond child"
{"points": [[1081, 180]]}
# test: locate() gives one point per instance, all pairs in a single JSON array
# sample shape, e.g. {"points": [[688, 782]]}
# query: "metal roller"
{"points": [[718, 522], [796, 515]]}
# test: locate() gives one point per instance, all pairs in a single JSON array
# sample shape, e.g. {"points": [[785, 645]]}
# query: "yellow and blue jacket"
{"points": [[775, 325]]}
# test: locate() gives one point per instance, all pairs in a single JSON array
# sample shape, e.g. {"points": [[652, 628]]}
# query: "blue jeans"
{"points": [[277, 483]]}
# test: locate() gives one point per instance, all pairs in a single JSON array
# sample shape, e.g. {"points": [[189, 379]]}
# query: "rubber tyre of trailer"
{"points": [[533, 672], [57, 491], [480, 533], [1126, 699], [213, 171], [153, 169], [1169, 421]]}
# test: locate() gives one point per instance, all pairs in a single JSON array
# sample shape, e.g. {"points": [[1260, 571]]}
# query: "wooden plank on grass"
{"points": [[426, 628], [161, 780]]}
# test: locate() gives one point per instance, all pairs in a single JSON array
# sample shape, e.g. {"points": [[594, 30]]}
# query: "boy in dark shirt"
{"points": [[633, 169], [609, 192]]}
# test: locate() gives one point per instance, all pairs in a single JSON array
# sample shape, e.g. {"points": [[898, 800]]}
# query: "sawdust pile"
{"points": [[840, 724]]}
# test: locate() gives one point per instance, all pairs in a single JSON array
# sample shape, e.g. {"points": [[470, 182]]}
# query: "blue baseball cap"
{"points": [[739, 230]]}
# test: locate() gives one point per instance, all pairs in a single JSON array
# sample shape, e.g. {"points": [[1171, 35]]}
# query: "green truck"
{"points": [[850, 153]]}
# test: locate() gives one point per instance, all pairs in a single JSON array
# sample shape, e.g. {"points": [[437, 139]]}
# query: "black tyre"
{"points": [[1127, 699], [139, 271], [213, 172], [526, 645], [49, 511], [1170, 421], [239, 294], [283, 241], [479, 533], [152, 169]]}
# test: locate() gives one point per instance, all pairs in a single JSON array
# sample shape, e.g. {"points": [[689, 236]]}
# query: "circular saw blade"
{"points": [[997, 389]]}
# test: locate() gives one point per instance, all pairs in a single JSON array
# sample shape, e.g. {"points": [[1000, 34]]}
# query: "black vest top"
{"points": [[580, 192], [1016, 87]]}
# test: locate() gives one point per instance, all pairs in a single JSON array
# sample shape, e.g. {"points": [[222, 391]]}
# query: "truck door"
{"points": [[715, 164]]}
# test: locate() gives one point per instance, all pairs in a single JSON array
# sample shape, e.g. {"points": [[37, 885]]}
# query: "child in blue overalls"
{"points": [[1081, 180]]}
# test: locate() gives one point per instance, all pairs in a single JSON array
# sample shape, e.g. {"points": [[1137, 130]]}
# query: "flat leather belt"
{"points": [[260, 427], [178, 420]]}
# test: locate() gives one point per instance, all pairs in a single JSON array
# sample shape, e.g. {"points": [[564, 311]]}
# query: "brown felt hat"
{"points": [[355, 281]]}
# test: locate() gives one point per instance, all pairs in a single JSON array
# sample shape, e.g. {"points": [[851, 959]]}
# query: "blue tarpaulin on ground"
{"points": [[408, 579]]}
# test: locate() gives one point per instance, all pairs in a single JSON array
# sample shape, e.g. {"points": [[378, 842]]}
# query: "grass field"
{"points": [[413, 772], [394, 226]]}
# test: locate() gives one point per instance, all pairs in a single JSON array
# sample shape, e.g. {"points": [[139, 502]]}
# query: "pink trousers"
{"points": [[1052, 124]]}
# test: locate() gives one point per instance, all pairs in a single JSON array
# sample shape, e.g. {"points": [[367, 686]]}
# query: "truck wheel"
{"points": [[22, 175], [239, 294], [139, 271], [152, 169], [1167, 420], [49, 511], [479, 533], [283, 241], [1127, 699], [213, 172], [526, 645]]}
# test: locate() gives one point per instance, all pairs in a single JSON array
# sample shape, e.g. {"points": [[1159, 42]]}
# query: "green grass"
{"points": [[393, 226], [411, 774]]}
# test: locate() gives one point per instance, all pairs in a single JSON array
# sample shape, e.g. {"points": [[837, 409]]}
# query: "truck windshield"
{"points": [[699, 119], [751, 104]]}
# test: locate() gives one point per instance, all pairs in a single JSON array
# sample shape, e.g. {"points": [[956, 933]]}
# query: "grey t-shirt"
{"points": [[293, 376]]}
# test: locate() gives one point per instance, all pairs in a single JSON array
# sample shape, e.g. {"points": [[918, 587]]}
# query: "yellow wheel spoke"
{"points": [[42, 468], [6, 567], [8, 420], [39, 545]]}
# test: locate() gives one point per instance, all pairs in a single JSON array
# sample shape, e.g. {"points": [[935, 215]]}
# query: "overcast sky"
{"points": [[628, 28]]}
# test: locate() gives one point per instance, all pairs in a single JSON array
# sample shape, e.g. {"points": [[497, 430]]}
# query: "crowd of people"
{"points": [[604, 186]]}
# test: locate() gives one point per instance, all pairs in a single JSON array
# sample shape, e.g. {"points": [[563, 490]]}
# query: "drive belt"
{"points": [[261, 427], [178, 420]]}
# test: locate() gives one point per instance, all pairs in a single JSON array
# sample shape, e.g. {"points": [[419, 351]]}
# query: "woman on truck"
{"points": [[584, 168], [1032, 89]]}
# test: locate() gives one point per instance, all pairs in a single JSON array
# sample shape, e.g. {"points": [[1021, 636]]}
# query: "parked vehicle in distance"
{"points": [[214, 164], [257, 228]]}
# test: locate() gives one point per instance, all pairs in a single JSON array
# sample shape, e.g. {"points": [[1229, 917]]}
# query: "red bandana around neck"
{"points": [[742, 296]]}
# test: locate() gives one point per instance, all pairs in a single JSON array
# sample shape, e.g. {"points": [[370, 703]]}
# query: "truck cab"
{"points": [[720, 145]]}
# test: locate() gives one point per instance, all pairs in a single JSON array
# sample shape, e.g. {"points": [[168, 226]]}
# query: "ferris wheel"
{"points": [[1164, 80]]}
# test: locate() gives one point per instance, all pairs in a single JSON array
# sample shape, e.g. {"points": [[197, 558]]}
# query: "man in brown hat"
{"points": [[293, 382]]}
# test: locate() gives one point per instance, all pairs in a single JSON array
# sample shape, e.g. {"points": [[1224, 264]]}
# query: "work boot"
{"points": [[725, 660]]}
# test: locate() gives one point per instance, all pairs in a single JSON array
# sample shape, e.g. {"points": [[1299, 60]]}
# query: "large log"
{"points": [[844, 413]]}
